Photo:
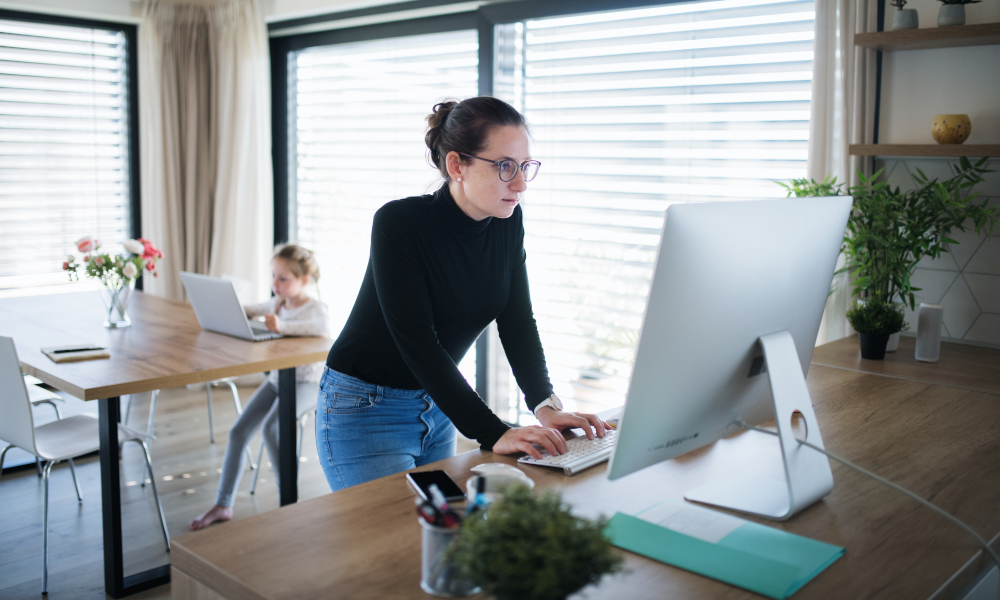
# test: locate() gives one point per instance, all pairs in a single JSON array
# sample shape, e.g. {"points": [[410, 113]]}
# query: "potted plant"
{"points": [[953, 12], [525, 547], [875, 320], [890, 231], [905, 18]]}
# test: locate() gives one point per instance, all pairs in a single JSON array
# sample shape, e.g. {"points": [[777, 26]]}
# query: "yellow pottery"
{"points": [[951, 129]]}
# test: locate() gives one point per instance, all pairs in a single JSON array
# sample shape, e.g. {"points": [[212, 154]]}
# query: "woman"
{"points": [[442, 268]]}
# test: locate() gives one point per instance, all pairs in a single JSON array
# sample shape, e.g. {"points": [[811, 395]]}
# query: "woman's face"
{"points": [[476, 184]]}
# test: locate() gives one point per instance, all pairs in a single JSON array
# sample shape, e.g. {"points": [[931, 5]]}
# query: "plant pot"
{"points": [[873, 346], [893, 342], [951, 15], [905, 19]]}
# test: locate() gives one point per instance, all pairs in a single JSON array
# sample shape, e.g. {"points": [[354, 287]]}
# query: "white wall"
{"points": [[916, 85]]}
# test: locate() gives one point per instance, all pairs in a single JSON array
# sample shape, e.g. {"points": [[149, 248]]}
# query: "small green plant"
{"points": [[801, 188], [532, 548], [874, 316], [959, 1], [898, 3]]}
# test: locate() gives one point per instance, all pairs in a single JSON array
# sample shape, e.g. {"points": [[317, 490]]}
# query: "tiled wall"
{"points": [[966, 280]]}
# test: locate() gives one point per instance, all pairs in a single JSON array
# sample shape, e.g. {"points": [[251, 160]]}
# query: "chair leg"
{"points": [[156, 495], [4, 454], [72, 470], [260, 465], [149, 432], [128, 409], [45, 526], [211, 416], [38, 465]]}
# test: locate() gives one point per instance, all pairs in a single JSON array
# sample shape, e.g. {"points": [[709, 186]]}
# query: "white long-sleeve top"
{"points": [[308, 319]]}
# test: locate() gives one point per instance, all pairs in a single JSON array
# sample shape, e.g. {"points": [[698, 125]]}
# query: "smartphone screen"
{"points": [[422, 481]]}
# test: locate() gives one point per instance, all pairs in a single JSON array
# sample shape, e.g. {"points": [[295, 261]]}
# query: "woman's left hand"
{"points": [[557, 419]]}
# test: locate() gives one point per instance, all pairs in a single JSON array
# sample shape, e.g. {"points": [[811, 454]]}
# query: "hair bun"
{"points": [[435, 125]]}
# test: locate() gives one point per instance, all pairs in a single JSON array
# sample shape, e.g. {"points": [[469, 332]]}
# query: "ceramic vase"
{"points": [[929, 332], [893, 344], [905, 19], [951, 15], [951, 129]]}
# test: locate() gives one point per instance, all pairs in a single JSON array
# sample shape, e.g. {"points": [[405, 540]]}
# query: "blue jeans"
{"points": [[366, 431]]}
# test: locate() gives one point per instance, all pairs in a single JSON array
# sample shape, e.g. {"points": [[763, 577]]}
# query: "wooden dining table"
{"points": [[165, 347]]}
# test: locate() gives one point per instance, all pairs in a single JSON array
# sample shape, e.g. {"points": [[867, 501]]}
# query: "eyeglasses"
{"points": [[508, 168]]}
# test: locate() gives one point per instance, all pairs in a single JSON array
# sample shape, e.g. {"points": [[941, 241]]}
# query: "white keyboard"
{"points": [[581, 453]]}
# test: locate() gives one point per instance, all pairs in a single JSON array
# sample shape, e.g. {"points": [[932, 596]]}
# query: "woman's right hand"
{"points": [[520, 439]]}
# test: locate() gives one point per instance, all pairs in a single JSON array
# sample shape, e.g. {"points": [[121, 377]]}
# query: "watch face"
{"points": [[556, 402]]}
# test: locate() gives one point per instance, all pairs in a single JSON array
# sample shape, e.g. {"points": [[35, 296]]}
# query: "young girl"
{"points": [[290, 312]]}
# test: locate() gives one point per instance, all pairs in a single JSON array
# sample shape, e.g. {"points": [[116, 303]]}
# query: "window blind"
{"points": [[356, 130], [63, 147], [630, 112]]}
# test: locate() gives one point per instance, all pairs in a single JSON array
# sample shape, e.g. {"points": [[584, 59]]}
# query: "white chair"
{"points": [[53, 442], [38, 396], [303, 418]]}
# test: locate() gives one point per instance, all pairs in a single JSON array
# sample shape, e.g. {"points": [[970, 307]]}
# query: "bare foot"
{"points": [[216, 513]]}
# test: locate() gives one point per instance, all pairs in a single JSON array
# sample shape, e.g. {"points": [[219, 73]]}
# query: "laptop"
{"points": [[218, 308]]}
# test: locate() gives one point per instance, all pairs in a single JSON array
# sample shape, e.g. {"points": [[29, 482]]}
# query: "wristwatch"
{"points": [[552, 401]]}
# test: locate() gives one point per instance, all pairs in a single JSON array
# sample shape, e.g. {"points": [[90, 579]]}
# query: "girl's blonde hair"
{"points": [[301, 262]]}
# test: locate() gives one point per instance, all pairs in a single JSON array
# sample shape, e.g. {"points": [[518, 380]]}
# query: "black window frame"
{"points": [[131, 33]]}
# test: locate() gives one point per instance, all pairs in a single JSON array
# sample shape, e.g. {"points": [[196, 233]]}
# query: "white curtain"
{"points": [[207, 192], [843, 113]]}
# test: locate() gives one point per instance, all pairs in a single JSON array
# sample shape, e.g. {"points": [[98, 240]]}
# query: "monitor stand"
{"points": [[807, 473]]}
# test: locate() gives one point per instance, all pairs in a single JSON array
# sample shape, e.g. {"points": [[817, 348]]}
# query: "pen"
{"points": [[449, 518], [61, 351]]}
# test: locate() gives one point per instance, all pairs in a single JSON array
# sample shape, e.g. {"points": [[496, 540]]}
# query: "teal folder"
{"points": [[761, 559]]}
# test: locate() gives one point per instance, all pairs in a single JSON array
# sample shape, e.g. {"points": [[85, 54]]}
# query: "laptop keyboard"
{"points": [[263, 333], [581, 453]]}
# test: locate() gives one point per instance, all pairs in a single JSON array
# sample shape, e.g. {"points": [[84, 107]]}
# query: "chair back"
{"points": [[17, 425]]}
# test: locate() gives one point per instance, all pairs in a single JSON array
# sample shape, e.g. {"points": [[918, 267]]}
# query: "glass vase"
{"points": [[116, 296]]}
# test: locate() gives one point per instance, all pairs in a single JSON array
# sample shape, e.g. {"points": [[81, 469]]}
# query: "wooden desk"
{"points": [[165, 347], [968, 367], [941, 442]]}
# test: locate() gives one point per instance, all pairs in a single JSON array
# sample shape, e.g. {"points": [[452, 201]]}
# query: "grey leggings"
{"points": [[261, 411]]}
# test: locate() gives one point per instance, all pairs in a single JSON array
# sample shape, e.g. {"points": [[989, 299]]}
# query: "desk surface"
{"points": [[941, 442], [165, 347], [963, 366]]}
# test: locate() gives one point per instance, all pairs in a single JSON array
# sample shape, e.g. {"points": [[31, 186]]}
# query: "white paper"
{"points": [[695, 521]]}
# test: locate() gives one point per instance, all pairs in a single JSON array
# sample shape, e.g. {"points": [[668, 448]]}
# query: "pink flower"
{"points": [[87, 244], [150, 266], [99, 260], [65, 266], [150, 252], [86, 259]]}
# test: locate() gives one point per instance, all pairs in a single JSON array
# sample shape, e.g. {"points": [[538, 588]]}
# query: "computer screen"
{"points": [[729, 276]]}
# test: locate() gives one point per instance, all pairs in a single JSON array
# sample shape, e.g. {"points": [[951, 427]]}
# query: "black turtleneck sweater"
{"points": [[436, 279]]}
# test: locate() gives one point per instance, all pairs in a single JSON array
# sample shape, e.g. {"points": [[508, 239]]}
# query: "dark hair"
{"points": [[463, 126], [301, 262]]}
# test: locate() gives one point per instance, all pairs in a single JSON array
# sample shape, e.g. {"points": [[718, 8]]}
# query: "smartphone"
{"points": [[421, 481]]}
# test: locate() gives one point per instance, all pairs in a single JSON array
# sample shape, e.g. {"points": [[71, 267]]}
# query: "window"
{"points": [[630, 112], [64, 146], [355, 137]]}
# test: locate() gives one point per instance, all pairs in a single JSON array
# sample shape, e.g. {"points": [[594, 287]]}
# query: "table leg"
{"points": [[288, 462], [116, 584]]}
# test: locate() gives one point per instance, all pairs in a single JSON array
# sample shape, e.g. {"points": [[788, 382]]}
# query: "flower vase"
{"points": [[116, 299]]}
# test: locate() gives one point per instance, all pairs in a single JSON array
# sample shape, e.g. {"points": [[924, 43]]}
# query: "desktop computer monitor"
{"points": [[731, 319]]}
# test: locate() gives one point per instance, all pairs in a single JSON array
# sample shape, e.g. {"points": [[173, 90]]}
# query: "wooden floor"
{"points": [[187, 471]]}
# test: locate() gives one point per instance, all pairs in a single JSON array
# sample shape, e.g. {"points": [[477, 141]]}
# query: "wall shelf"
{"points": [[944, 150], [983, 34]]}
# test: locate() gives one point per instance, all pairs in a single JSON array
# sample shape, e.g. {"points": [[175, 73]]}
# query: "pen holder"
{"points": [[439, 577]]}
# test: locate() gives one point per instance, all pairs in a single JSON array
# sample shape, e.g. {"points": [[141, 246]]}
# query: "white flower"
{"points": [[70, 258], [129, 270], [134, 247]]}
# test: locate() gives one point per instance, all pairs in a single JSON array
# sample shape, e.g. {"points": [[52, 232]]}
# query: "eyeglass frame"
{"points": [[498, 163]]}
